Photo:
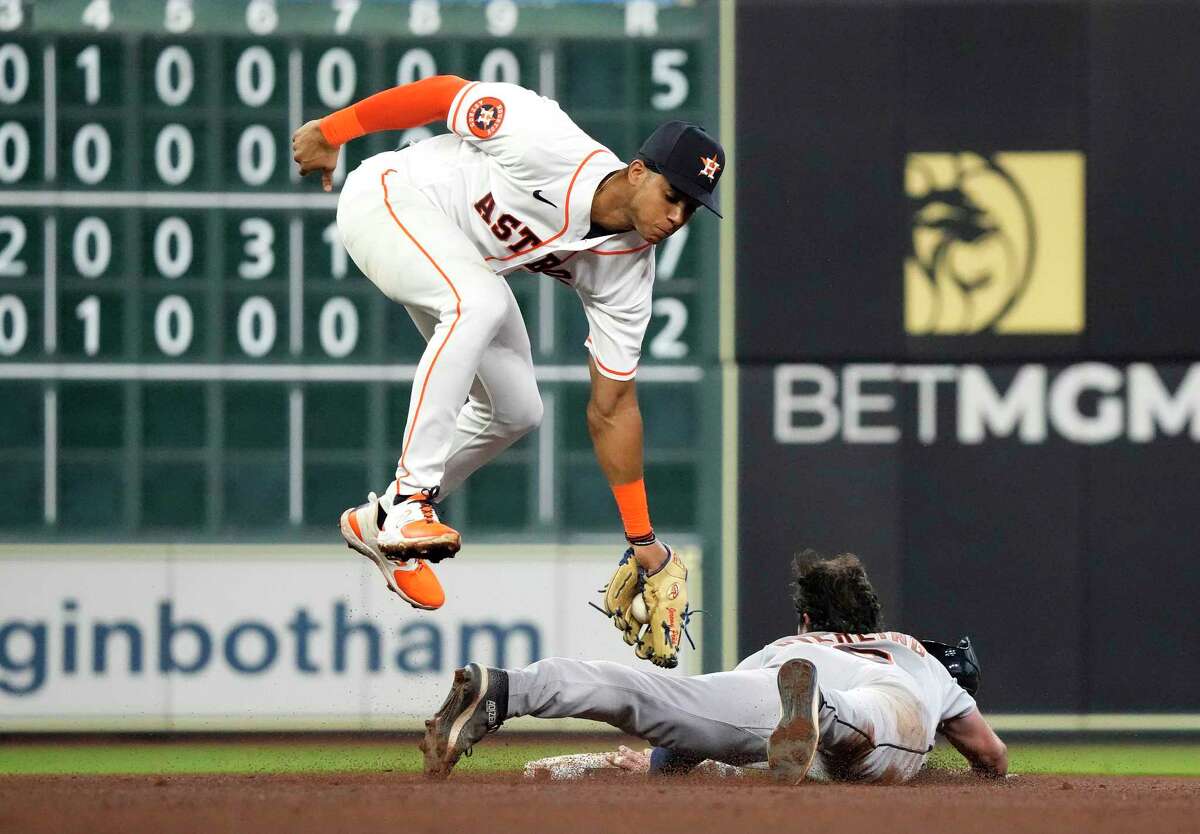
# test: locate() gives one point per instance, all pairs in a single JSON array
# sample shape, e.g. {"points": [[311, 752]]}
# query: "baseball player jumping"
{"points": [[515, 185], [838, 700]]}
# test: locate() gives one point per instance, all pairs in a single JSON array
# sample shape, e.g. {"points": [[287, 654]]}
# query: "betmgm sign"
{"points": [[1085, 403]]}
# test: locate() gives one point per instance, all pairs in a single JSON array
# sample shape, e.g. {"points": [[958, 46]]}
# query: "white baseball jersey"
{"points": [[517, 176], [851, 661]]}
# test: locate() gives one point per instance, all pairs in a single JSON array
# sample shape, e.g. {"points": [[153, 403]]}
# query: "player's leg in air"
{"points": [[504, 404], [417, 257]]}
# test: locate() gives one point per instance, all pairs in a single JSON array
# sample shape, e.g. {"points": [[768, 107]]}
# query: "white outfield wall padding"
{"points": [[198, 637]]}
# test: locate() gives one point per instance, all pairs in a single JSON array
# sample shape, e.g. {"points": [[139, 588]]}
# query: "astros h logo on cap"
{"points": [[690, 159]]}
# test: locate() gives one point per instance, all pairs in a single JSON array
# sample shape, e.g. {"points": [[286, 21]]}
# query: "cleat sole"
{"points": [[793, 744], [433, 549]]}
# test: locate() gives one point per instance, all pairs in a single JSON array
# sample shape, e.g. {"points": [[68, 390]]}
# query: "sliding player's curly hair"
{"points": [[835, 593]]}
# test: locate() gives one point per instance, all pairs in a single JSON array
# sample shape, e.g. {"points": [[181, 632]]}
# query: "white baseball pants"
{"points": [[869, 733], [475, 392]]}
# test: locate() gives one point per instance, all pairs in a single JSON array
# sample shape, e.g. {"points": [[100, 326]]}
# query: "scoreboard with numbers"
{"points": [[186, 352]]}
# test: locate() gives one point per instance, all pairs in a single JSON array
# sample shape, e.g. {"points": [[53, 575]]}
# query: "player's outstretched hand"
{"points": [[633, 761], [313, 153]]}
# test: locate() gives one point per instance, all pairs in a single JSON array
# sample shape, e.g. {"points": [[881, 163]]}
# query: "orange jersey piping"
{"points": [[566, 213], [457, 315], [454, 118], [604, 367]]}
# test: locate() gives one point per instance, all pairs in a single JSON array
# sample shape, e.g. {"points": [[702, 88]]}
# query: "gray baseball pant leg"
{"points": [[725, 716]]}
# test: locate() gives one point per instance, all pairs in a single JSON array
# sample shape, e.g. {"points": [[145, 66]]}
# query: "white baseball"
{"points": [[637, 610]]}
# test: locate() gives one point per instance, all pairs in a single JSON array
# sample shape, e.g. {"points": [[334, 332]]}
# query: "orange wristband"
{"points": [[635, 512]]}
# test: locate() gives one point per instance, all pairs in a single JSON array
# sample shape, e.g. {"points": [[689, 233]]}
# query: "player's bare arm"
{"points": [[615, 425], [654, 575], [972, 736]]}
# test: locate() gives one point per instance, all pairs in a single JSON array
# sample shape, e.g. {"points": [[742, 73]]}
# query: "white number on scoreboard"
{"points": [[256, 155], [91, 247], [14, 73], [174, 76], [173, 247], [88, 312], [14, 325], [260, 254], [14, 151], [254, 77], [173, 325], [14, 227], [336, 78], [337, 327], [91, 153], [174, 154]]}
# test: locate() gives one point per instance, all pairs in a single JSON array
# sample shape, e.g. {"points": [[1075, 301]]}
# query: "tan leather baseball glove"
{"points": [[665, 595]]}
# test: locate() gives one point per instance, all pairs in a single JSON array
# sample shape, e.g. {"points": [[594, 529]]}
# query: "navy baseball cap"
{"points": [[690, 159]]}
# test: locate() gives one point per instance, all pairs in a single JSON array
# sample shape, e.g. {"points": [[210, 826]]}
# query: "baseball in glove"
{"points": [[665, 596]]}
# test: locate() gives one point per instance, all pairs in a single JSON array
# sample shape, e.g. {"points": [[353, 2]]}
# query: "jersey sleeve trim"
{"points": [[964, 713], [452, 122], [566, 212], [607, 371]]}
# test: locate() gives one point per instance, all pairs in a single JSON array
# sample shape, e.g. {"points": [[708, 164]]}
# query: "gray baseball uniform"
{"points": [[883, 698]]}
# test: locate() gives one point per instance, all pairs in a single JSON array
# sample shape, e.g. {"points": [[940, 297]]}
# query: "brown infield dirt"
{"points": [[610, 804]]}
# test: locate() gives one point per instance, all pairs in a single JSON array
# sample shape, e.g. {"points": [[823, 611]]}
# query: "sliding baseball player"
{"points": [[842, 699]]}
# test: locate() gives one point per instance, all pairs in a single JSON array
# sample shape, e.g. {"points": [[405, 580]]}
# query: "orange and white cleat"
{"points": [[412, 530], [412, 579]]}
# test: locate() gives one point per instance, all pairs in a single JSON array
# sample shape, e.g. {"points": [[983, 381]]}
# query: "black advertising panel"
{"points": [[819, 239], [1140, 558], [1143, 180]]}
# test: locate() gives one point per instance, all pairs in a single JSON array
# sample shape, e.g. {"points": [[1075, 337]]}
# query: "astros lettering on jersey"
{"points": [[517, 176]]}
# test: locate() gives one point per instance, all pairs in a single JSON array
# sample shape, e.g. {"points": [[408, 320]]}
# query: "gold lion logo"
{"points": [[973, 242], [996, 243]]}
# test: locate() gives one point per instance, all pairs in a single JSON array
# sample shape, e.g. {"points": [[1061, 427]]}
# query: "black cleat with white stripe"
{"points": [[477, 705]]}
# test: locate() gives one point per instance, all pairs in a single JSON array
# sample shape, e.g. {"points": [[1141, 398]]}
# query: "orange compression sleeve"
{"points": [[635, 512], [409, 105]]}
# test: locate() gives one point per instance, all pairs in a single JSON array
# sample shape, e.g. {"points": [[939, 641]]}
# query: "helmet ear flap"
{"points": [[960, 661], [969, 679]]}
